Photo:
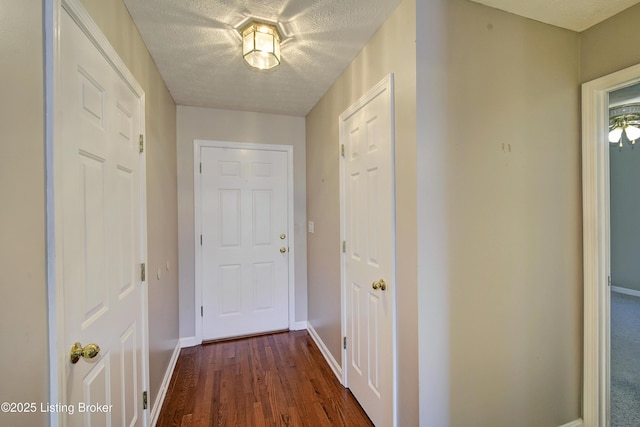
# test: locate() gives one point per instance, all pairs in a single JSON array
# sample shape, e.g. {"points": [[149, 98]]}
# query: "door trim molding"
{"points": [[55, 256], [596, 255], [386, 84], [197, 208]]}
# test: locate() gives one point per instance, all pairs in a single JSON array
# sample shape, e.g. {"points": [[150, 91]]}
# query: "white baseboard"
{"points": [[335, 366], [189, 342], [155, 411], [625, 291], [576, 423], [298, 326]]}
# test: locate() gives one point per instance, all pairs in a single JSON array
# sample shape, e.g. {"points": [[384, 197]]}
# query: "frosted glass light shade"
{"points": [[615, 135], [261, 45], [632, 132]]}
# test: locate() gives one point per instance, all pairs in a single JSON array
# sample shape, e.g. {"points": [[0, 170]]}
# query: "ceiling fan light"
{"points": [[632, 132], [615, 134]]}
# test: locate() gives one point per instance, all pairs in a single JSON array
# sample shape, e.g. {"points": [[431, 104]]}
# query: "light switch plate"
{"points": [[311, 227]]}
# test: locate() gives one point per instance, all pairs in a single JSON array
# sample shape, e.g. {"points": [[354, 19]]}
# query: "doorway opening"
{"points": [[603, 276], [624, 209]]}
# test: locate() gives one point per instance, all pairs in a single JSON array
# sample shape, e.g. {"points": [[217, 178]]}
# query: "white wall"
{"points": [[236, 126]]}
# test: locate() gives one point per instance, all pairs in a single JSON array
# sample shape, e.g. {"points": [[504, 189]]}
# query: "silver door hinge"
{"points": [[201, 240], [609, 280], [201, 311], [200, 167], [141, 143], [344, 246], [342, 150], [344, 342], [143, 273], [144, 400]]}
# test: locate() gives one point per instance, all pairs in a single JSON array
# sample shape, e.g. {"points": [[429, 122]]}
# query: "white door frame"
{"points": [[197, 187], [596, 241], [58, 351], [385, 84]]}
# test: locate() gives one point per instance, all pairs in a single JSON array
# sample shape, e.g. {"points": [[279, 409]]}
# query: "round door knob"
{"points": [[283, 250], [380, 284], [88, 352], [283, 236]]}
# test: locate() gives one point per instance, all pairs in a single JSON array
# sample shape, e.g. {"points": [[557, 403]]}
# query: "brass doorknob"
{"points": [[88, 352], [283, 250], [380, 284]]}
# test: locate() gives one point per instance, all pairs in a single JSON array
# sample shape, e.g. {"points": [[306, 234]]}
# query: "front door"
{"points": [[245, 252], [99, 120], [368, 223]]}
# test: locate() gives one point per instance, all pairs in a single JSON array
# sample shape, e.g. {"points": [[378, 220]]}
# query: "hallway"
{"points": [[269, 380]]}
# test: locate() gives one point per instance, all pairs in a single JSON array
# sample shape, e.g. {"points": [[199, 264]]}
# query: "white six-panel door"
{"points": [[245, 250], [368, 224], [99, 120]]}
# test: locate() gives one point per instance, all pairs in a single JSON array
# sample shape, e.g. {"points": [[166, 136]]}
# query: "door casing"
{"points": [[197, 187], [386, 84], [58, 352], [596, 242]]}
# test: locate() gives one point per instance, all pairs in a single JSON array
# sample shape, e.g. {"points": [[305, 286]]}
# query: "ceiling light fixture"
{"points": [[624, 124], [261, 45]]}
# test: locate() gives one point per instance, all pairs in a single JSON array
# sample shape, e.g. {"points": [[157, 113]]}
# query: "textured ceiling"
{"points": [[576, 15], [196, 46]]}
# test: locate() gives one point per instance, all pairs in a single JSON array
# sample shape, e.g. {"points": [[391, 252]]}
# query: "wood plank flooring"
{"points": [[270, 380]]}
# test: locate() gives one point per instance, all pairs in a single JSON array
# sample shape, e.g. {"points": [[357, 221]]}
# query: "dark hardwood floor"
{"points": [[270, 380]]}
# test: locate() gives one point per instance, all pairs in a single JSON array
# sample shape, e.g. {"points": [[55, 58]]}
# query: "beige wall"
{"points": [[162, 220], [499, 219], [390, 50], [605, 47], [23, 292], [236, 126]]}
